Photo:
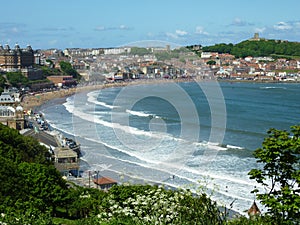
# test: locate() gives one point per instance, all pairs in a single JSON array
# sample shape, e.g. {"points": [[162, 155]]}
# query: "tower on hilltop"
{"points": [[256, 37]]}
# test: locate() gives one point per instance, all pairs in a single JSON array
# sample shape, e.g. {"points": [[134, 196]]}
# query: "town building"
{"points": [[65, 159], [62, 80], [104, 183], [116, 51], [82, 52], [17, 58], [65, 152], [11, 112]]}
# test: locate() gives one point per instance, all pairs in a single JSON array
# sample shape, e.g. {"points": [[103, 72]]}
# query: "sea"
{"points": [[193, 135]]}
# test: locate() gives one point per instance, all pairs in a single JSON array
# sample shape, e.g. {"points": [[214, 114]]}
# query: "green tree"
{"points": [[2, 83], [256, 48], [84, 202], [10, 183], [67, 68], [211, 62], [17, 79], [280, 173], [43, 187], [139, 51], [18, 148]]}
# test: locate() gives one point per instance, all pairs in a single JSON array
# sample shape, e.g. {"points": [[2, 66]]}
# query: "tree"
{"points": [[211, 62], [2, 83], [256, 48], [43, 186], [67, 68], [280, 173], [19, 148], [10, 183], [84, 202], [17, 79], [139, 51]]}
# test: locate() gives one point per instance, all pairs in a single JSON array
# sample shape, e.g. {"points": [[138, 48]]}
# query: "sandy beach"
{"points": [[31, 101]]}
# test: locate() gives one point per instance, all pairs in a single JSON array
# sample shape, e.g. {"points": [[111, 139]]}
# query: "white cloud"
{"points": [[282, 26], [259, 30], [178, 34], [241, 23], [7, 29], [200, 30], [297, 24], [100, 28], [181, 32], [121, 27], [171, 35]]}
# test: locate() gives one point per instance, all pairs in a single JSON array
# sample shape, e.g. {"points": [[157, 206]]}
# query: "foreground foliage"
{"points": [[33, 192], [280, 174], [156, 205]]}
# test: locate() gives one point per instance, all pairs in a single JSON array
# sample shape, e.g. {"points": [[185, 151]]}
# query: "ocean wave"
{"points": [[59, 128], [272, 87], [90, 116], [166, 167], [135, 131], [147, 163], [234, 147], [217, 146], [141, 114], [190, 175], [92, 98]]}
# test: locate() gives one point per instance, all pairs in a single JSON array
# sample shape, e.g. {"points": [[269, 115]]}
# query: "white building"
{"points": [[116, 51]]}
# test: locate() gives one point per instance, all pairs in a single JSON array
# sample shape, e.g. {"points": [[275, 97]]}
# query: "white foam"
{"points": [[92, 98], [76, 111], [273, 87], [141, 114], [147, 161], [61, 129], [234, 147], [212, 146]]}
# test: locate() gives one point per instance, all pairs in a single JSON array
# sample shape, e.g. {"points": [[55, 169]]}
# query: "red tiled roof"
{"points": [[104, 180]]}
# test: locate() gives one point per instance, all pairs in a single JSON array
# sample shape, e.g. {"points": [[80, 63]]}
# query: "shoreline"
{"points": [[49, 99], [33, 102]]}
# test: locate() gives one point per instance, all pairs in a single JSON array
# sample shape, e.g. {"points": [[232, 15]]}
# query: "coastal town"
{"points": [[150, 112], [56, 73], [132, 63], [118, 64], [100, 67]]}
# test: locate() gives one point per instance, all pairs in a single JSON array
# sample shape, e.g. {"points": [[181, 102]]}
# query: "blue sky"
{"points": [[112, 23]]}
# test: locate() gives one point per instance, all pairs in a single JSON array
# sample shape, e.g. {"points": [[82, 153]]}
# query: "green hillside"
{"points": [[262, 47]]}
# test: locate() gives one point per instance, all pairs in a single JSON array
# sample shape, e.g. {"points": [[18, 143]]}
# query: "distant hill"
{"points": [[260, 47]]}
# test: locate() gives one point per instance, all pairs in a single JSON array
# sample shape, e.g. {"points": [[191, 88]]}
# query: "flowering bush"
{"points": [[156, 205]]}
